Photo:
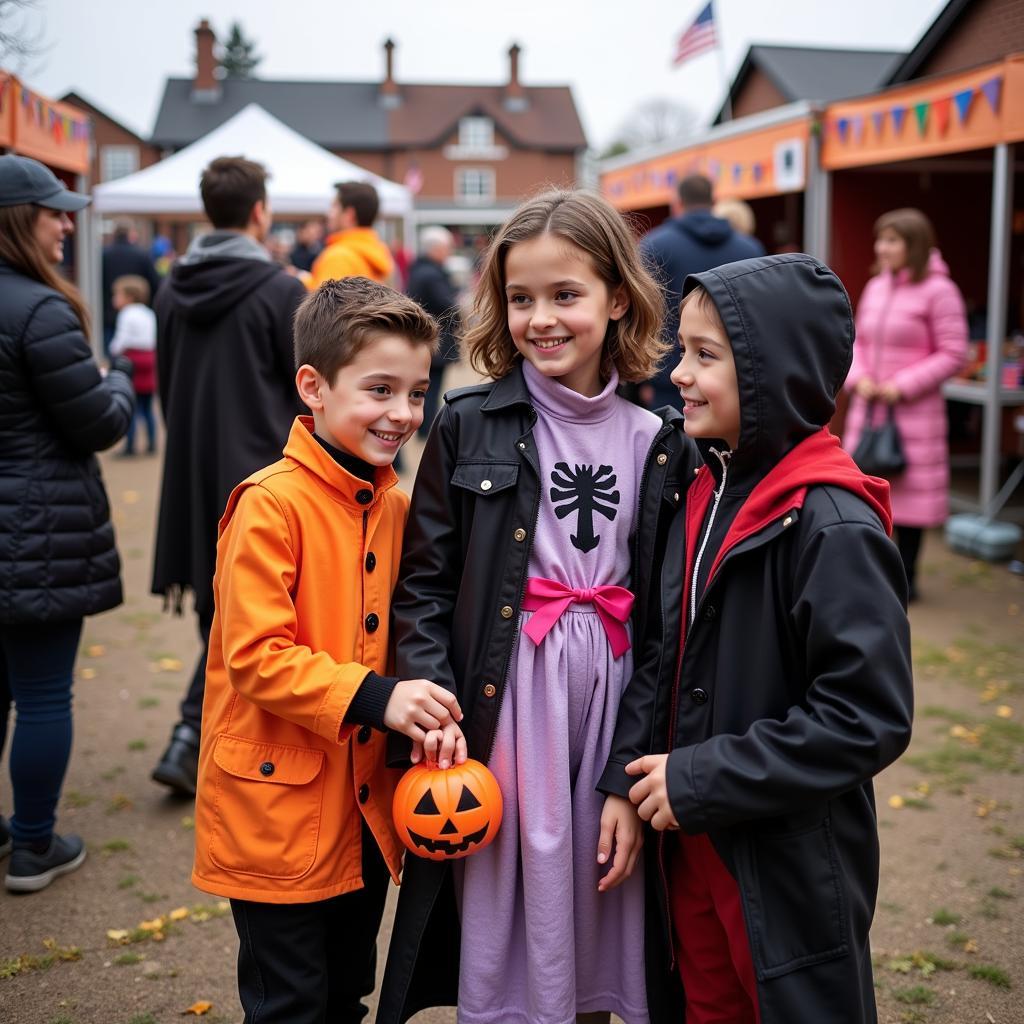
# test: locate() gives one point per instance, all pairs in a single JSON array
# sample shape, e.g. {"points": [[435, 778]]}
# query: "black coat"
{"points": [[58, 561], [459, 632], [119, 260], [431, 287], [226, 368], [794, 688]]}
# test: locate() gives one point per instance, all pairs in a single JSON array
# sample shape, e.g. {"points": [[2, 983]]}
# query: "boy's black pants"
{"points": [[312, 963]]}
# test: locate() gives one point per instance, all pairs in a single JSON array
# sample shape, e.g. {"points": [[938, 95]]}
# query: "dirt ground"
{"points": [[127, 940]]}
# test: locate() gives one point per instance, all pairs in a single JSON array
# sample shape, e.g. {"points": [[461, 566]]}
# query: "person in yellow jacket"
{"points": [[352, 247], [293, 808]]}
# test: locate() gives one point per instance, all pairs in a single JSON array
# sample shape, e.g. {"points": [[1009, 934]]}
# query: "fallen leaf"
{"points": [[1004, 711], [152, 926], [117, 934], [169, 665], [923, 788], [87, 673], [178, 915], [970, 946], [896, 802], [95, 651], [985, 807], [188, 823], [198, 1009]]}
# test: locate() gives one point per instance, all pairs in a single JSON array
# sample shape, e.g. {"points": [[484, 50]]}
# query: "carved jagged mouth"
{"points": [[444, 846]]}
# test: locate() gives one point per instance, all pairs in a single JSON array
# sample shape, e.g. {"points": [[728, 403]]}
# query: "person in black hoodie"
{"points": [[778, 680], [226, 375], [688, 243]]}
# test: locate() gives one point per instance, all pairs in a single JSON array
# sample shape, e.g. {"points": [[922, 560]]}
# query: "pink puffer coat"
{"points": [[913, 335]]}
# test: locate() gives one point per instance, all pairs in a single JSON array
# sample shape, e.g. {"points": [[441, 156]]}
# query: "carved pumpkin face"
{"points": [[444, 814]]}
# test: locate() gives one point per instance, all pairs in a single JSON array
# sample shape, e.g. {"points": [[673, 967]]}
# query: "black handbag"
{"points": [[880, 449]]}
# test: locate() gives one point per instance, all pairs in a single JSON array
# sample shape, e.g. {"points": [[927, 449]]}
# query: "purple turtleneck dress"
{"points": [[539, 942]]}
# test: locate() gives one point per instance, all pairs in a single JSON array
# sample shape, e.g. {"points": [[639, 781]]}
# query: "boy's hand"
{"points": [[445, 747], [889, 393], [650, 794], [418, 706], [621, 824], [866, 388]]}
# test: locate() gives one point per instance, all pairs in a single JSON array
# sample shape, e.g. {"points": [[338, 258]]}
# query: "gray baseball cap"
{"points": [[24, 180]]}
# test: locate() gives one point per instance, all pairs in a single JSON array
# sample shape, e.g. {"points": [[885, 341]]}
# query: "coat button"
{"points": [[364, 497], [662, 459], [485, 485], [371, 562], [267, 768], [699, 696], [522, 445], [507, 612], [364, 793], [364, 734], [710, 613], [371, 622], [490, 690], [788, 521], [520, 535]]}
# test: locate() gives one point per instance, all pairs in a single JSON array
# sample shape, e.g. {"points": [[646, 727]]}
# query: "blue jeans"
{"points": [[36, 662], [144, 412]]}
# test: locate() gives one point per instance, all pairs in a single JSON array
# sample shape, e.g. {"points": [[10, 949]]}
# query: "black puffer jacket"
{"points": [[58, 561]]}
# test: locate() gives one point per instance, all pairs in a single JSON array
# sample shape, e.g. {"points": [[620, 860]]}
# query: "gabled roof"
{"points": [[349, 115], [76, 99], [815, 74], [934, 35]]}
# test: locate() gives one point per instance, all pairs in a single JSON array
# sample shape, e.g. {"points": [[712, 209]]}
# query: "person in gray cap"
{"points": [[58, 562]]}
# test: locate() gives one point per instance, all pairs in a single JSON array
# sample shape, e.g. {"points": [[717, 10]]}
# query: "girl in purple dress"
{"points": [[534, 529]]}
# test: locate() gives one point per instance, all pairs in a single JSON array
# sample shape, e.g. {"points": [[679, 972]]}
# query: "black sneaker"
{"points": [[6, 843], [29, 871], [179, 765]]}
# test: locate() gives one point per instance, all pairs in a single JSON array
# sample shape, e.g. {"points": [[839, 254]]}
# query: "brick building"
{"points": [[469, 152]]}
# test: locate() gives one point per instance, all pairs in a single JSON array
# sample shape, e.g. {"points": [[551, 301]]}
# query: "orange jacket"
{"points": [[283, 782], [355, 252]]}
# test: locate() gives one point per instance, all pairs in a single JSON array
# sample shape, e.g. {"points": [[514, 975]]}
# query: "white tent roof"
{"points": [[301, 172]]}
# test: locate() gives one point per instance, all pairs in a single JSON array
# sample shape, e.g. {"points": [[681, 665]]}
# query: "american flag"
{"points": [[700, 36]]}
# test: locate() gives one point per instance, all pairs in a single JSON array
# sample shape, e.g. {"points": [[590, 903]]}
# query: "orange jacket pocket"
{"points": [[267, 803]]}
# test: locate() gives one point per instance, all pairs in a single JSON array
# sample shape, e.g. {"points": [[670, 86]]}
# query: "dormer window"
{"points": [[476, 133]]}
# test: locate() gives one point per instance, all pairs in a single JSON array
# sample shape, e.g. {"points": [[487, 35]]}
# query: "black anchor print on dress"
{"points": [[585, 492]]}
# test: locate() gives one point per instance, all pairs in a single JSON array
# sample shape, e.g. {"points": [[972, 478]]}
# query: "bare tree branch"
{"points": [[20, 40]]}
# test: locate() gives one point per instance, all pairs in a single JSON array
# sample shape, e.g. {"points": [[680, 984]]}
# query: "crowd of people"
{"points": [[561, 598]]}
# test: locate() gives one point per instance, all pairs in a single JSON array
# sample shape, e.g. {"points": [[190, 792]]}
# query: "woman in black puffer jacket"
{"points": [[58, 562]]}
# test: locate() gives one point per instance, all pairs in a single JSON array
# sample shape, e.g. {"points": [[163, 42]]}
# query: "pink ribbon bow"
{"points": [[548, 599]]}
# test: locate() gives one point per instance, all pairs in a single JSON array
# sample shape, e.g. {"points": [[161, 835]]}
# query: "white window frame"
{"points": [[116, 153], [481, 195], [476, 132]]}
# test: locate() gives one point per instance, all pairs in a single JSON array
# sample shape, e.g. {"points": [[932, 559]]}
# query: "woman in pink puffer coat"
{"points": [[911, 336]]}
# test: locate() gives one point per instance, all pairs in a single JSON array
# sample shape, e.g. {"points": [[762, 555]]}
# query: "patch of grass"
{"points": [[73, 798], [116, 846], [138, 745], [996, 893], [916, 995], [129, 958], [971, 744], [942, 916], [119, 802], [919, 803], [990, 973], [912, 1017], [890, 906], [151, 897], [112, 773], [959, 940], [940, 963], [145, 703], [989, 910], [62, 1020], [128, 881], [26, 962], [143, 1018]]}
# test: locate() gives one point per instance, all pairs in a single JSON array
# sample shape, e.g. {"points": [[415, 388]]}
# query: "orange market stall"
{"points": [[768, 159], [947, 146]]}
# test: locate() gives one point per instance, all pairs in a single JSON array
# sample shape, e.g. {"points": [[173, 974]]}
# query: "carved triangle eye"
{"points": [[427, 805], [467, 801]]}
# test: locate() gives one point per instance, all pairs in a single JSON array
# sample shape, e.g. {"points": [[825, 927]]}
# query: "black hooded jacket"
{"points": [[787, 685], [227, 388]]}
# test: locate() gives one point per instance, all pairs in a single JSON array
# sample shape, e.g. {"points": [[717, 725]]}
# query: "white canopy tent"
{"points": [[301, 173]]}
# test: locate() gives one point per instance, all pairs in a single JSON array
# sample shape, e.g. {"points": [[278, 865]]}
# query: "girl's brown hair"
{"points": [[586, 220], [19, 248], [916, 231]]}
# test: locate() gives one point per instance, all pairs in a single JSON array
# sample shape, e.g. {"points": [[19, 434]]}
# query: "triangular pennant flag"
{"points": [[921, 113], [878, 121], [858, 127], [843, 127], [898, 114], [963, 103], [758, 172], [942, 108], [992, 90], [737, 172]]}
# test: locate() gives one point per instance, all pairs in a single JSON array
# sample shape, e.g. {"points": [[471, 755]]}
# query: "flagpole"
{"points": [[727, 106]]}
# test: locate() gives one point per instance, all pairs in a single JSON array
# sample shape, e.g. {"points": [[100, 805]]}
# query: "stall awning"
{"points": [[55, 133], [761, 155], [953, 113]]}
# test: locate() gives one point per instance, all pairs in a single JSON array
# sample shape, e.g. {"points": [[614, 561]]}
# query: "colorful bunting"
{"points": [[878, 120], [737, 172], [858, 127], [843, 127], [941, 108], [758, 172], [992, 90], [898, 115], [963, 103], [921, 113]]}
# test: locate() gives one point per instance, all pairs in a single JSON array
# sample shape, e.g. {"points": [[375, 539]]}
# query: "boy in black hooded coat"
{"points": [[779, 682]]}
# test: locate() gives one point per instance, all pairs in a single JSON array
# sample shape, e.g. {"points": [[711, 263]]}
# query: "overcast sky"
{"points": [[614, 53]]}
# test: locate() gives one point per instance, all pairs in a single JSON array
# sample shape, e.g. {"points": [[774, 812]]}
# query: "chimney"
{"points": [[389, 94], [205, 85], [515, 94]]}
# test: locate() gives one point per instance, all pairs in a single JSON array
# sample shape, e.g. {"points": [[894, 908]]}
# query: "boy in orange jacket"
{"points": [[293, 810]]}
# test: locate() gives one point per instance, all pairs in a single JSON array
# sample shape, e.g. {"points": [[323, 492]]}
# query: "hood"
{"points": [[705, 227], [218, 271], [367, 244], [789, 321]]}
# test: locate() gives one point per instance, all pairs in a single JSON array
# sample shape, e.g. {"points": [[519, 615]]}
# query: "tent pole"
{"points": [[998, 285]]}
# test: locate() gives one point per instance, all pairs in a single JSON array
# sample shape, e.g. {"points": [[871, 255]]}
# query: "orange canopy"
{"points": [[55, 133]]}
